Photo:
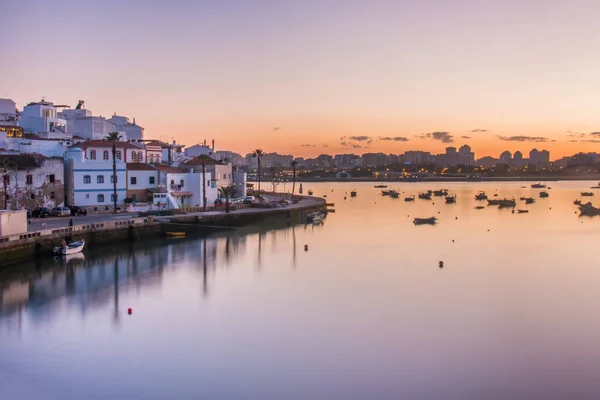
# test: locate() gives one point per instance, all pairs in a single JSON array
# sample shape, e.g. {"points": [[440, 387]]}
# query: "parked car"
{"points": [[219, 202], [249, 199], [40, 212], [75, 210], [60, 212]]}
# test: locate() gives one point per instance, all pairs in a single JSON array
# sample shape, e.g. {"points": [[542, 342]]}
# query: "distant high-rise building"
{"points": [[370, 159], [518, 156], [534, 156], [464, 149], [450, 150], [417, 157], [506, 157], [466, 156]]}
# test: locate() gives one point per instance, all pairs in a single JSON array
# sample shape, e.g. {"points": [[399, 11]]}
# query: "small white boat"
{"points": [[71, 248], [315, 216]]}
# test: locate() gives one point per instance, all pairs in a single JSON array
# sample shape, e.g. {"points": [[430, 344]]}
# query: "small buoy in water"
{"points": [[129, 311], [452, 240], [488, 230], [441, 264], [455, 217], [551, 208], [344, 197], [305, 247], [438, 212], [513, 211]]}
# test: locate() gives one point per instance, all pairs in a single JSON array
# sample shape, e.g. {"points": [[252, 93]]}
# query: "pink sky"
{"points": [[233, 70]]}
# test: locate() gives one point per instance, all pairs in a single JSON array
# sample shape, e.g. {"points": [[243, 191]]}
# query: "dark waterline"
{"points": [[366, 312]]}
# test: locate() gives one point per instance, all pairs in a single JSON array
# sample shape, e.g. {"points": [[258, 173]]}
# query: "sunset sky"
{"points": [[306, 77]]}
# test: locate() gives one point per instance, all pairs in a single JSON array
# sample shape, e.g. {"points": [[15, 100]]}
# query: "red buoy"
{"points": [[129, 311]]}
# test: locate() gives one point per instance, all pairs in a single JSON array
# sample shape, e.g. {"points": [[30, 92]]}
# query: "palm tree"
{"points": [[204, 159], [114, 137], [293, 164], [258, 153], [227, 192]]}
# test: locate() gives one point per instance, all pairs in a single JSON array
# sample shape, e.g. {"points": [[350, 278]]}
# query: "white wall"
{"points": [[197, 150], [142, 179], [13, 222]]}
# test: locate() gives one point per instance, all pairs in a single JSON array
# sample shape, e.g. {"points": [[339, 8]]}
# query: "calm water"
{"points": [[365, 313]]}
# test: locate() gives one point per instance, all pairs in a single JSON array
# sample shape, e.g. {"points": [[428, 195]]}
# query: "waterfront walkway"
{"points": [[63, 222]]}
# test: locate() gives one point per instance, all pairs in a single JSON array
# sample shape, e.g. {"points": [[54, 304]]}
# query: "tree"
{"points": [[204, 159], [273, 172], [114, 137], [293, 164], [258, 153], [227, 192]]}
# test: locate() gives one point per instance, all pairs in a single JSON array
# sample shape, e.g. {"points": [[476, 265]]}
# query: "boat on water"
{"points": [[410, 198], [596, 187], [394, 194], [587, 194], [507, 203], [493, 202], [71, 248], [522, 211], [175, 234], [538, 186], [425, 195], [529, 200], [577, 202], [589, 209], [544, 194], [386, 192], [479, 207], [421, 221], [441, 192], [315, 216], [310, 192], [451, 198], [353, 193], [380, 186], [481, 196]]}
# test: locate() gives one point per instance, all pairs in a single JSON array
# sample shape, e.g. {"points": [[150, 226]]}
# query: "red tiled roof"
{"points": [[104, 143], [197, 161], [140, 167], [168, 169]]}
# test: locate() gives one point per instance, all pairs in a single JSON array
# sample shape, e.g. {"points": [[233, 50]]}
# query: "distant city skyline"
{"points": [[311, 77]]}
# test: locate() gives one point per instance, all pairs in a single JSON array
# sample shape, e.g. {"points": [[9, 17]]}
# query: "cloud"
{"points": [[444, 137], [308, 145], [465, 137], [360, 138], [352, 145], [584, 141], [479, 130], [324, 145], [594, 133], [395, 139], [538, 139], [369, 141]]}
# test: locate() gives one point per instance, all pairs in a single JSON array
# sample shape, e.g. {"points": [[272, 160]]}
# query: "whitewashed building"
{"points": [[142, 179], [181, 189], [89, 182], [8, 112], [101, 150], [42, 118], [131, 129]]}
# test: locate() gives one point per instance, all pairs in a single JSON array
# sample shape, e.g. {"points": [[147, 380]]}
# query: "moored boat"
{"points": [[315, 216], [71, 248], [353, 193], [451, 198], [493, 202], [538, 186], [481, 196], [441, 192], [587, 194], [410, 198], [589, 209], [385, 192], [425, 195], [507, 203], [577, 202], [544, 194], [529, 200], [394, 194], [421, 221], [522, 211], [380, 186], [310, 192]]}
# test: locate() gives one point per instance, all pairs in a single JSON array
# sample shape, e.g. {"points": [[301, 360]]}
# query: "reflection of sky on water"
{"points": [[364, 313]]}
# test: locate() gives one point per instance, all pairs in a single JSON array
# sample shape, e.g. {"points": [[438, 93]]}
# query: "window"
{"points": [[51, 195], [118, 153], [29, 179], [93, 155], [51, 178], [134, 197], [133, 156], [100, 198], [151, 180], [87, 196], [113, 198], [140, 157], [172, 181], [32, 196], [133, 180], [87, 179], [114, 178], [181, 182], [100, 179], [105, 155]]}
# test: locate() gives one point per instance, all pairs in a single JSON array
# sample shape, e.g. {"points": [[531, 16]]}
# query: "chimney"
{"points": [[213, 145]]}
